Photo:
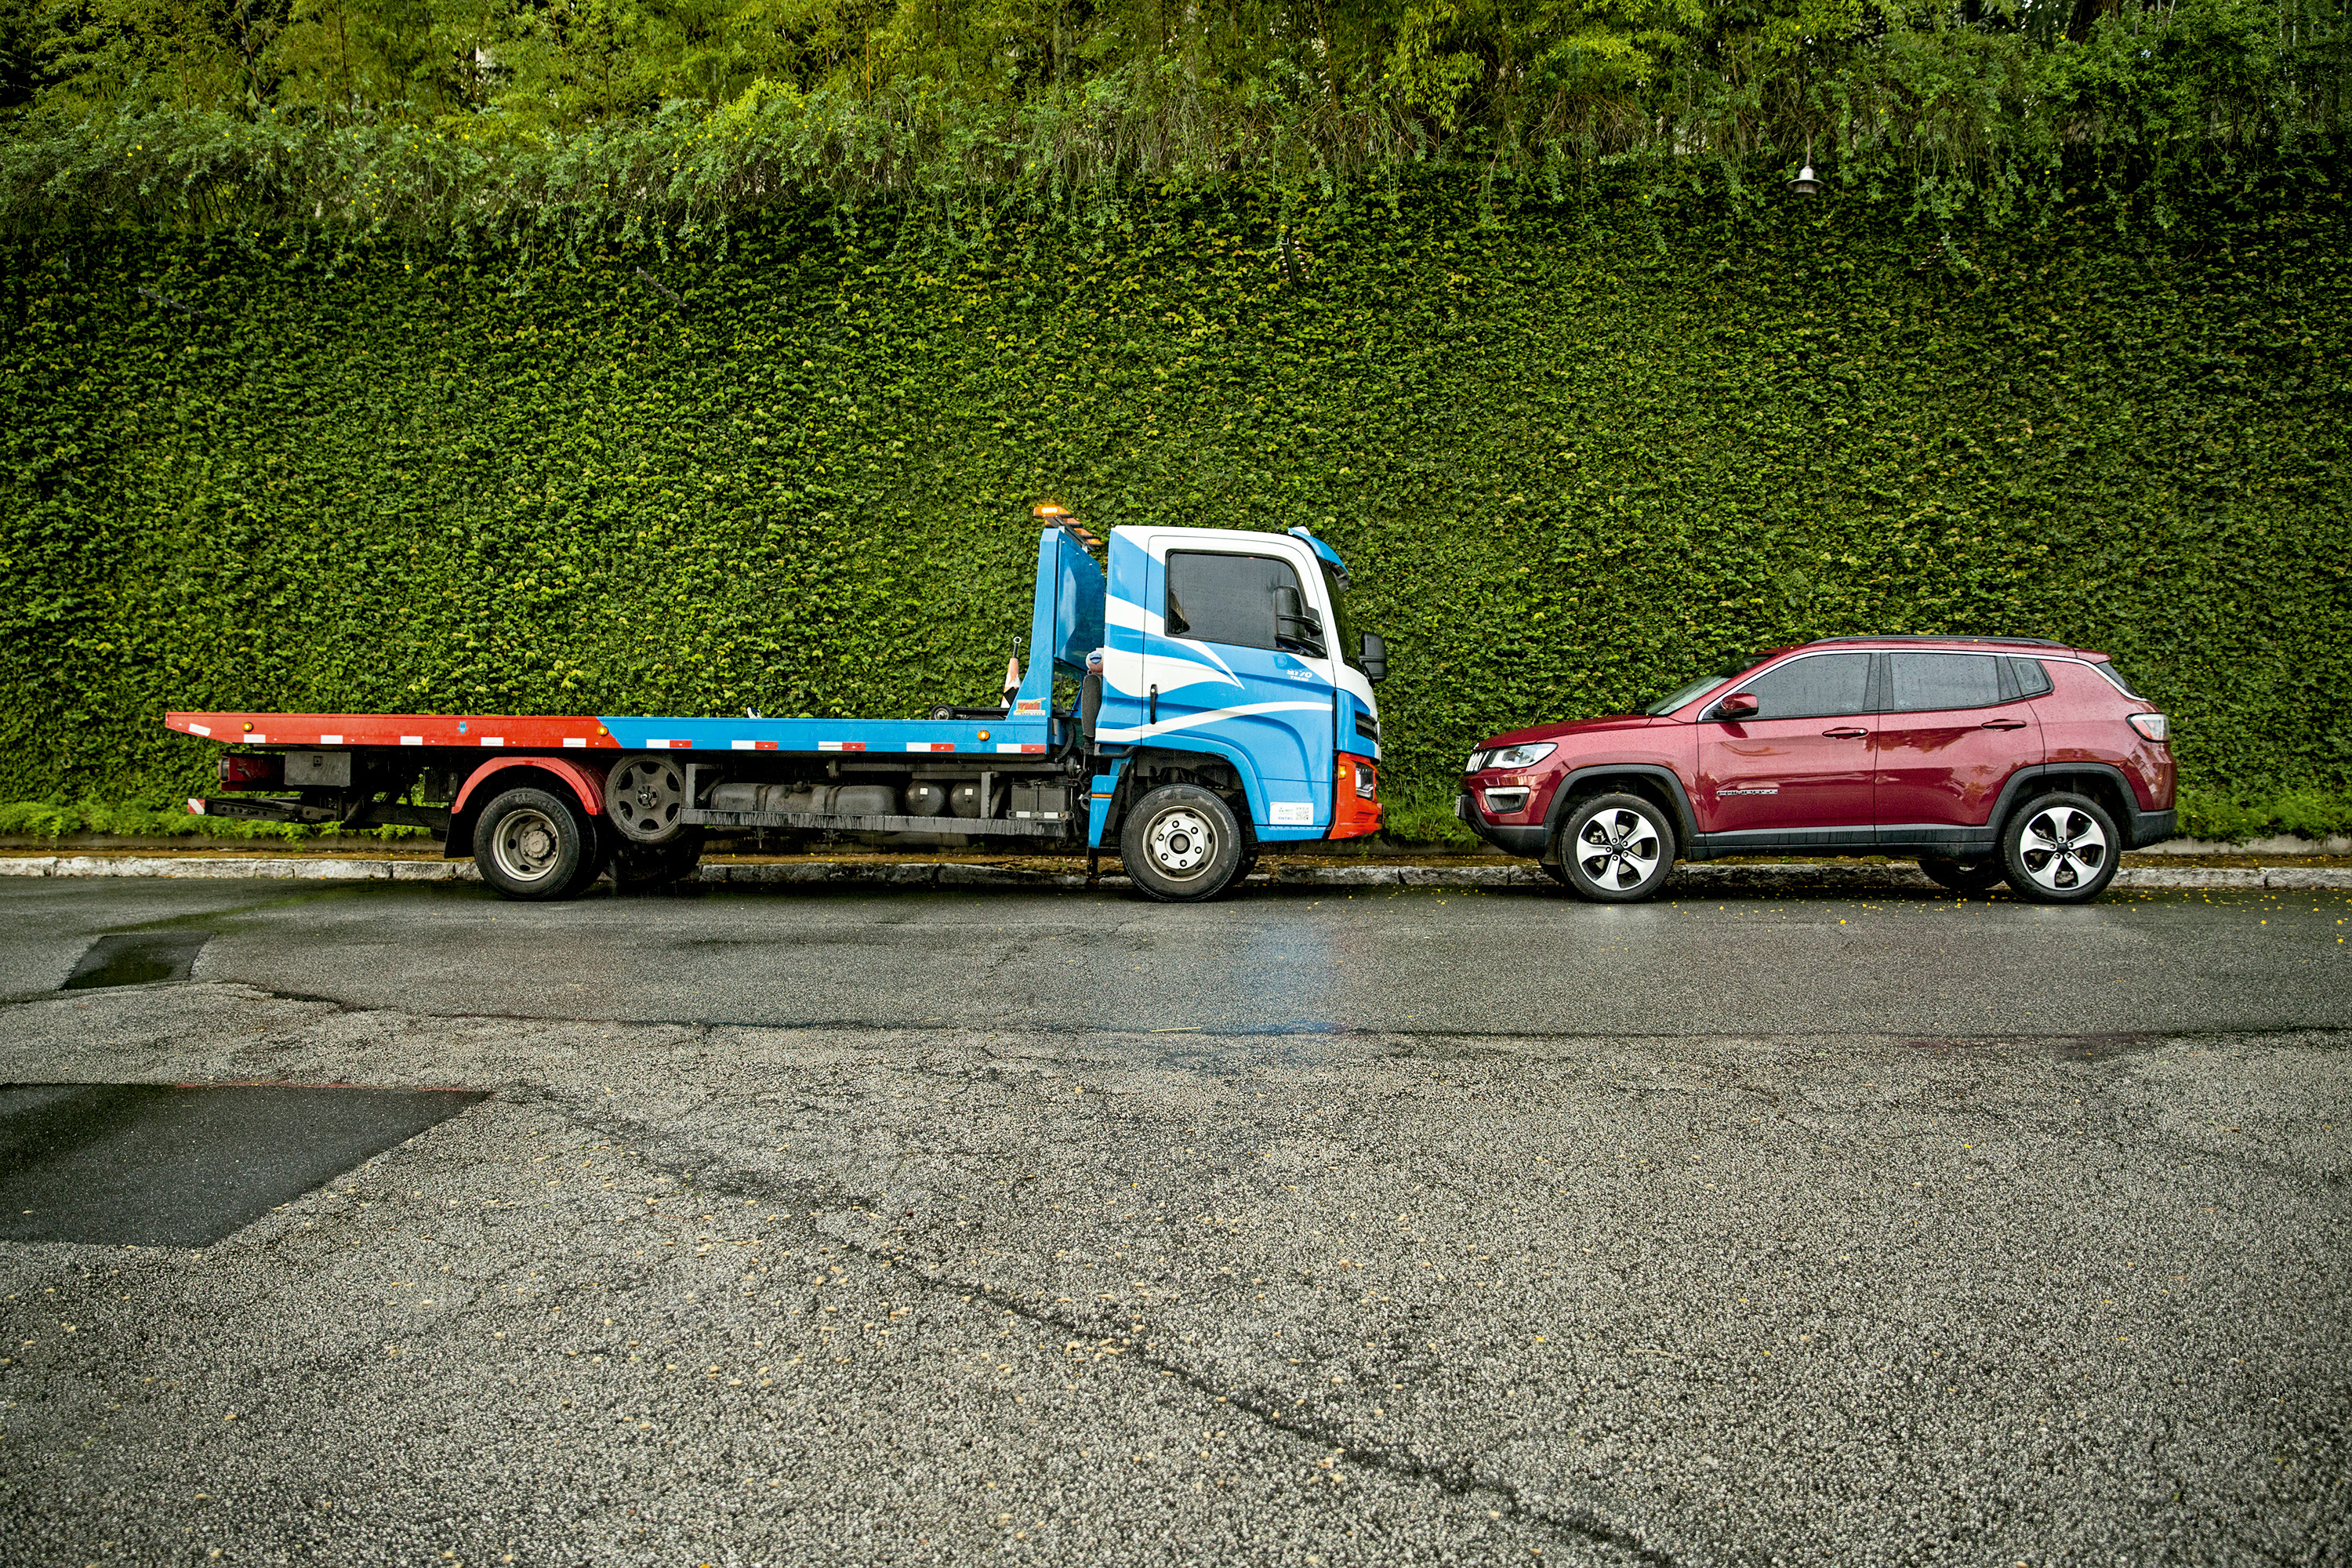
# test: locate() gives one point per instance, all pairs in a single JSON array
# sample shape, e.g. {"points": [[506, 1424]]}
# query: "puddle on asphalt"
{"points": [[148, 1165], [137, 958]]}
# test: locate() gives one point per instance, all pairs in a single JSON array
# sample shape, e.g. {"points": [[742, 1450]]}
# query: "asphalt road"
{"points": [[1305, 1229]]}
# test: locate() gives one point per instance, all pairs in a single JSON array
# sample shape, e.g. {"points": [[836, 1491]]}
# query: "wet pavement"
{"points": [[1409, 1227]]}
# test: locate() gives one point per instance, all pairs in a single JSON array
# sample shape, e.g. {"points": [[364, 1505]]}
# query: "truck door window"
{"points": [[1824, 686], [1225, 598], [1932, 682]]}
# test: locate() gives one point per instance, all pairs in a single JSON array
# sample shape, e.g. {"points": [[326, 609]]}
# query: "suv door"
{"points": [[1229, 668], [1799, 772], [1955, 726]]}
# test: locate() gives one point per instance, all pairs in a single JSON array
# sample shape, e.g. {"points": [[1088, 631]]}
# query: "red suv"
{"points": [[1989, 758]]}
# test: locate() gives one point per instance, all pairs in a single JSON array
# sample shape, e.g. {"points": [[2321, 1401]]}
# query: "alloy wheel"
{"points": [[1618, 849], [2062, 848]]}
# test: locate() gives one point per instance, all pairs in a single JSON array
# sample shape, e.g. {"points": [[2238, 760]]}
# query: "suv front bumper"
{"points": [[1510, 838]]}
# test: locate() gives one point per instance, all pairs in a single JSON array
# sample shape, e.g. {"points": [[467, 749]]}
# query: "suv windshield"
{"points": [[1342, 629], [1696, 689]]}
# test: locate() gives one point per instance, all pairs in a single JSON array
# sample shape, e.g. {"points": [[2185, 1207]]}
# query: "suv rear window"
{"points": [[1820, 686], [2032, 680], [1927, 682]]}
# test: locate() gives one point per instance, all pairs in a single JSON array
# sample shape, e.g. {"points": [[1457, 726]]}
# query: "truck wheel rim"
{"points": [[1181, 842], [526, 844], [646, 795], [1618, 849], [2063, 847]]}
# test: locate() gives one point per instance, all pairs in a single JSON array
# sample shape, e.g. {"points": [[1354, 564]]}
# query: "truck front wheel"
{"points": [[1180, 844], [529, 845]]}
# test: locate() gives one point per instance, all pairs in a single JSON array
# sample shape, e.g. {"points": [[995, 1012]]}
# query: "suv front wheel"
{"points": [[1616, 849], [2059, 849]]}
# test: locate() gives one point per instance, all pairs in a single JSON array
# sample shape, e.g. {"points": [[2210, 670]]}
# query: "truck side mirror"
{"points": [[1295, 624], [1738, 705], [1373, 656]]}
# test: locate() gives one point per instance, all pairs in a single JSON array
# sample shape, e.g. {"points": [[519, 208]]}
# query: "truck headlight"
{"points": [[1366, 780]]}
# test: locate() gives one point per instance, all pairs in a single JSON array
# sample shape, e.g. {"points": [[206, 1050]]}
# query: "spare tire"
{"points": [[644, 796]]}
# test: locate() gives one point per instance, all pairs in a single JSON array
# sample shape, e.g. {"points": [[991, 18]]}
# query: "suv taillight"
{"points": [[2151, 726]]}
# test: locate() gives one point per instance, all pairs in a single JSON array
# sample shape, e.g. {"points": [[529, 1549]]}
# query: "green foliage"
{"points": [[2311, 813], [592, 119], [1576, 453], [152, 819]]}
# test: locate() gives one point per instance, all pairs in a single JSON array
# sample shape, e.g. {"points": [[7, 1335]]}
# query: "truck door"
{"points": [[1232, 667]]}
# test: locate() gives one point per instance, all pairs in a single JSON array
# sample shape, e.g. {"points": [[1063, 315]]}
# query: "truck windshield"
{"points": [[1342, 629]]}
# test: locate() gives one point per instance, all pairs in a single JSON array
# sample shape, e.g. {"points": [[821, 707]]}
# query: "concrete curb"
{"points": [[1695, 879]]}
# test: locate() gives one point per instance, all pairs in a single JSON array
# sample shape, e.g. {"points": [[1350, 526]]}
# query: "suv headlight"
{"points": [[1518, 756]]}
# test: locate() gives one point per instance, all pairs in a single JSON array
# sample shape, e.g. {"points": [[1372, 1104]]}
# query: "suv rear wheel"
{"points": [[2059, 849], [1616, 848]]}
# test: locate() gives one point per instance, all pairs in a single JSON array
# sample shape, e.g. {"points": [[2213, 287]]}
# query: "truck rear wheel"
{"points": [[531, 845], [1182, 844]]}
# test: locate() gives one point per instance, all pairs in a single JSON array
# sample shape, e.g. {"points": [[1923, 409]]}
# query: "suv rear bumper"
{"points": [[2148, 827], [1528, 842]]}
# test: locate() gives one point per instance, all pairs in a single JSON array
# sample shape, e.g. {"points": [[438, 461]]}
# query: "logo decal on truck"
{"points": [[1292, 814]]}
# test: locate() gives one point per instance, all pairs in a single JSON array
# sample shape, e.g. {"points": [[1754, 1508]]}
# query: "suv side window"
{"points": [[1822, 686], [1929, 682], [2032, 680], [1225, 598]]}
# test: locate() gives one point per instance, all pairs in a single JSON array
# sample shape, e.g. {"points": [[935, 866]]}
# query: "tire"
{"points": [[1616, 848], [643, 795], [600, 842], [638, 868], [1182, 844], [2060, 848], [531, 846], [1964, 876]]}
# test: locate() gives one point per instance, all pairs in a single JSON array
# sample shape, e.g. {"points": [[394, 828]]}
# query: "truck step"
{"points": [[997, 826]]}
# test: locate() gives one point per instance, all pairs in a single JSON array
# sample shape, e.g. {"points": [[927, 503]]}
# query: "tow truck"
{"points": [[1192, 697]]}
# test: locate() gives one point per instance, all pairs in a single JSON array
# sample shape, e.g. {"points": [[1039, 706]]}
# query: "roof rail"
{"points": [[1955, 636]]}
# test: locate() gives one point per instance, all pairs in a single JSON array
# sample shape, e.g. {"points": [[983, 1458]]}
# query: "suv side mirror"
{"points": [[1738, 705], [1373, 656], [1296, 628]]}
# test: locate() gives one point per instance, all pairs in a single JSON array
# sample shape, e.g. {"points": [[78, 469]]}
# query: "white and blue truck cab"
{"points": [[1196, 695], [1237, 706]]}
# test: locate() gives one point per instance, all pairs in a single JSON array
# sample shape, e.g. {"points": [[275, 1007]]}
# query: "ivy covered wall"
{"points": [[1575, 453]]}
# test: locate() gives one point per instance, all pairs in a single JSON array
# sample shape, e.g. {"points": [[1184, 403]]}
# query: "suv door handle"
{"points": [[2003, 724], [1845, 734]]}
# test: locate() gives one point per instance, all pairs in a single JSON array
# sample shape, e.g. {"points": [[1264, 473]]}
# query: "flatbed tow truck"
{"points": [[1200, 696]]}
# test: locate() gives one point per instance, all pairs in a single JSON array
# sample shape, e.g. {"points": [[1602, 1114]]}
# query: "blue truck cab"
{"points": [[1192, 695], [1236, 701]]}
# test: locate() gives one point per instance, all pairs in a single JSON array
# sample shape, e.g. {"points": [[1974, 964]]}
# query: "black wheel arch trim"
{"points": [[1685, 821], [2139, 827]]}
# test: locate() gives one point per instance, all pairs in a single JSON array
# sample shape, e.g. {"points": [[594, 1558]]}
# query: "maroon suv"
{"points": [[1989, 758]]}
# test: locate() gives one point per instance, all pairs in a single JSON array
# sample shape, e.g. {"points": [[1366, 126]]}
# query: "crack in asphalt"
{"points": [[1583, 1525], [2088, 1044]]}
